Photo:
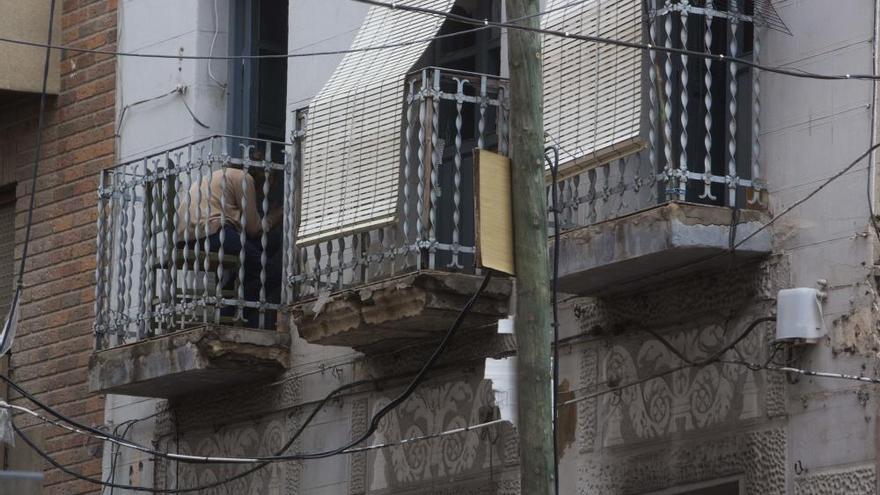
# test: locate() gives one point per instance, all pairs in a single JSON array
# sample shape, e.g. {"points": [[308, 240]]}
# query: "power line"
{"points": [[482, 24], [812, 193], [204, 459], [624, 44], [713, 256], [739, 362], [554, 301], [806, 372], [86, 430], [689, 363], [274, 55], [384, 445], [8, 332]]}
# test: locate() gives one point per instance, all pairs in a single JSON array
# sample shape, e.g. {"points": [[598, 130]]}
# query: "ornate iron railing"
{"points": [[165, 261], [176, 247], [701, 121], [447, 114]]}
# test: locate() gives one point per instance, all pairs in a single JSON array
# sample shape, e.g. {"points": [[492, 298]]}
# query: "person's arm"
{"points": [[274, 217]]}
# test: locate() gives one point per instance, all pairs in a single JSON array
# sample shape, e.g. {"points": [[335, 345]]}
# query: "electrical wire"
{"points": [[74, 426], [713, 256], [482, 24], [554, 301], [263, 461], [8, 333], [211, 49], [49, 46], [54, 462], [717, 355], [419, 378], [178, 89], [85, 430], [648, 47], [115, 451], [689, 363], [277, 55], [812, 193], [805, 372], [374, 423]]}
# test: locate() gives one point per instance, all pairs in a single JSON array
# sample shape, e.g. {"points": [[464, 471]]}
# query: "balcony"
{"points": [[406, 281], [198, 255], [688, 189], [182, 304]]}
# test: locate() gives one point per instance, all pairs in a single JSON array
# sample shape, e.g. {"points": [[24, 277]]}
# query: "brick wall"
{"points": [[51, 353]]}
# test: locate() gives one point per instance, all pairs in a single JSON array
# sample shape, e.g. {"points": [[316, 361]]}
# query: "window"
{"points": [[258, 87], [703, 108], [473, 53]]}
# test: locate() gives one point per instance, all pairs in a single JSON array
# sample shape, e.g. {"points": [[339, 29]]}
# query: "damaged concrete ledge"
{"points": [[651, 245], [400, 310], [188, 361]]}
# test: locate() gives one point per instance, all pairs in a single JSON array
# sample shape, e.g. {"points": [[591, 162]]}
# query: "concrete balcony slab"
{"points": [[193, 360], [651, 245], [400, 310]]}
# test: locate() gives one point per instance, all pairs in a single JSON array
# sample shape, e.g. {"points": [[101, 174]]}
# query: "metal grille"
{"points": [[177, 247], [445, 116], [701, 121], [351, 158]]}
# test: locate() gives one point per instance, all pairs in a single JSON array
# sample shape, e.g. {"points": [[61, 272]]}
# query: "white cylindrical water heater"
{"points": [[799, 315]]}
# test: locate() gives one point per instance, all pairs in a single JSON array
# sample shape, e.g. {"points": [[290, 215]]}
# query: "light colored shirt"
{"points": [[222, 200]]}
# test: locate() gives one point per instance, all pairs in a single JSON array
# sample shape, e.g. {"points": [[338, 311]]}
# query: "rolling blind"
{"points": [[592, 91], [351, 156]]}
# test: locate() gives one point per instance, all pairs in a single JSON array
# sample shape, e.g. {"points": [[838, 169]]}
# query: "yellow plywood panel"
{"points": [[494, 213]]}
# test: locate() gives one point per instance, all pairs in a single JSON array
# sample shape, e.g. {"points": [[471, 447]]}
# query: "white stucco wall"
{"points": [[317, 26], [169, 27], [810, 130], [164, 27]]}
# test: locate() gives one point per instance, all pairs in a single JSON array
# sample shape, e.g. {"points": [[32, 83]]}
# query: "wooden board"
{"points": [[494, 217]]}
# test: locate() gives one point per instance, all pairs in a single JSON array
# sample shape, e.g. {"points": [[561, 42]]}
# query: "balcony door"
{"points": [[258, 87], [473, 52]]}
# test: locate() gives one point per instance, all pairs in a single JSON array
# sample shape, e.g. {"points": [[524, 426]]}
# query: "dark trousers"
{"points": [[253, 251]]}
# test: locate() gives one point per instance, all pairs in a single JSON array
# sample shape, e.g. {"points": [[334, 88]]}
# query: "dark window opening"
{"points": [[719, 91], [474, 52], [258, 87]]}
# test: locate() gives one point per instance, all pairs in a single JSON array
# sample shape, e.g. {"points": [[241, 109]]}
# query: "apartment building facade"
{"points": [[55, 316], [345, 175]]}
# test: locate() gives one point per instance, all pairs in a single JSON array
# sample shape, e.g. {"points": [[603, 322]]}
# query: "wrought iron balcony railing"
{"points": [[700, 123], [205, 233], [447, 115], [192, 235]]}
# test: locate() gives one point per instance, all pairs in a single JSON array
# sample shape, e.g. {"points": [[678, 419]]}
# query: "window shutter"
{"points": [[592, 91], [351, 156]]}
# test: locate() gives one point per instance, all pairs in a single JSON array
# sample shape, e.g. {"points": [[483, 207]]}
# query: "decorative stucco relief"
{"points": [[679, 424], [859, 480], [707, 297], [758, 457], [222, 424], [681, 399], [248, 438], [434, 408]]}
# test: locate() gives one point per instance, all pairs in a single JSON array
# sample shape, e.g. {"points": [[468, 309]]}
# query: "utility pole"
{"points": [[532, 319]]}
